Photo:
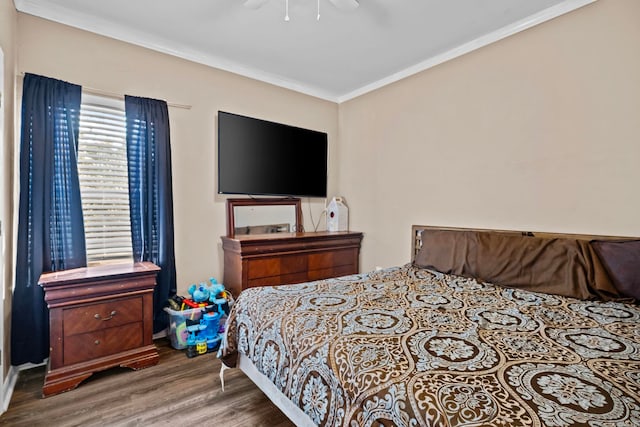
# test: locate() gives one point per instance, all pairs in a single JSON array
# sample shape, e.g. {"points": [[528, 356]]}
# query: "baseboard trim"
{"points": [[161, 334], [12, 378], [8, 387]]}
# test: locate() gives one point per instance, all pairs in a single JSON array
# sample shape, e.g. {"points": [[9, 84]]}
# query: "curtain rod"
{"points": [[100, 92]]}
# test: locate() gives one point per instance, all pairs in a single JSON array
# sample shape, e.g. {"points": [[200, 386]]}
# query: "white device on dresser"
{"points": [[337, 215]]}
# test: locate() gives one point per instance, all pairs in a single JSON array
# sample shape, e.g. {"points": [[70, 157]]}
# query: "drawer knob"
{"points": [[97, 316], [96, 342]]}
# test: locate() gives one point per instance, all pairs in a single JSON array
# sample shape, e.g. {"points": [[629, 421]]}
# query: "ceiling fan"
{"points": [[340, 4]]}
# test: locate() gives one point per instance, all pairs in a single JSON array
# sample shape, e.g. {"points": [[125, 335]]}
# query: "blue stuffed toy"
{"points": [[215, 289], [199, 293], [203, 292]]}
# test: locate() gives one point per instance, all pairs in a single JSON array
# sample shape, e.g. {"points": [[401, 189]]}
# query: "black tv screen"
{"points": [[259, 157]]}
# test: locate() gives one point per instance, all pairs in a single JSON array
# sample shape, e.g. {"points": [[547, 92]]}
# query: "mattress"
{"points": [[408, 346]]}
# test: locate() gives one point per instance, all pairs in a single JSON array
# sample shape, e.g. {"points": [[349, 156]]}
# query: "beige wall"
{"points": [[539, 131], [8, 23], [84, 58]]}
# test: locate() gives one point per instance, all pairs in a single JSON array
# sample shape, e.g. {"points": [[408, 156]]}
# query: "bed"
{"points": [[436, 343]]}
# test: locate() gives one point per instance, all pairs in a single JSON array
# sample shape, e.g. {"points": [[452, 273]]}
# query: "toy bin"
{"points": [[177, 330]]}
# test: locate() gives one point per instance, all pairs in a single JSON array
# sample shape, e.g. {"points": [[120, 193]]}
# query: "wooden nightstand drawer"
{"points": [[95, 317], [83, 347]]}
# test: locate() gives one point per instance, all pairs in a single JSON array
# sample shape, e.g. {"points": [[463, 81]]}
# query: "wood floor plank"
{"points": [[177, 391]]}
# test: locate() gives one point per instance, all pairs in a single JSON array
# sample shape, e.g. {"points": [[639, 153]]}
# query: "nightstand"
{"points": [[99, 317]]}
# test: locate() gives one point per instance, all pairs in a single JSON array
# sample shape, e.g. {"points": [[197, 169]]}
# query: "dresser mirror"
{"points": [[263, 216]]}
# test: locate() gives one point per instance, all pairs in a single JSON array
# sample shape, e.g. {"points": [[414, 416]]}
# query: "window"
{"points": [[104, 188]]}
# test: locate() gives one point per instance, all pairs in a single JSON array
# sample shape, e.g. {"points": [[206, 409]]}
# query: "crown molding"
{"points": [[102, 27], [509, 30]]}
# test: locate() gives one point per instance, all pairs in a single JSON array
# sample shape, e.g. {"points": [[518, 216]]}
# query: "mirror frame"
{"points": [[232, 203]]}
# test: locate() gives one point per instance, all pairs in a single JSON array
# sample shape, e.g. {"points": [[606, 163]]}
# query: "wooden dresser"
{"points": [[99, 317], [283, 258]]}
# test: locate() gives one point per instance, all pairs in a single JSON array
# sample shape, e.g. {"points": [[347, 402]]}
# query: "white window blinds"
{"points": [[102, 169]]}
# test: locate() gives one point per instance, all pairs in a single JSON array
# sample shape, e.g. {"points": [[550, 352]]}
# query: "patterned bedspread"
{"points": [[411, 347]]}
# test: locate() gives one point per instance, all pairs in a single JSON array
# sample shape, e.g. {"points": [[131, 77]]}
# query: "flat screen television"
{"points": [[258, 157]]}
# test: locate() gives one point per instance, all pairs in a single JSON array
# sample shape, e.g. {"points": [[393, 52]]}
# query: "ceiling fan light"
{"points": [[345, 4]]}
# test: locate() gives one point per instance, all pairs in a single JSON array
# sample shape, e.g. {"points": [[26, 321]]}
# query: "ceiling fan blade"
{"points": [[254, 4], [345, 4]]}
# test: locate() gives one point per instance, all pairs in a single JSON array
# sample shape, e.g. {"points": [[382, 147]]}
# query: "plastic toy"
{"points": [[193, 327], [175, 303], [220, 306], [201, 345], [212, 321], [203, 335], [181, 334], [192, 304]]}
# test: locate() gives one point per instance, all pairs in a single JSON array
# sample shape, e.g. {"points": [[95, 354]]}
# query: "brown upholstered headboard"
{"points": [[416, 233], [580, 266]]}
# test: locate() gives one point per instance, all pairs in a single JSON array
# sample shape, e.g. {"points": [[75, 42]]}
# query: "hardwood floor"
{"points": [[177, 391]]}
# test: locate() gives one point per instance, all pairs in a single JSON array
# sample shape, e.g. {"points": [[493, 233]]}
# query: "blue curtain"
{"points": [[50, 224], [151, 196]]}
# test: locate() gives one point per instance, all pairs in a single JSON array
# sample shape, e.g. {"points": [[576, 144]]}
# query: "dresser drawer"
{"points": [[83, 347], [331, 259], [264, 268], [292, 264], [264, 281], [283, 279], [95, 317], [345, 257], [326, 273], [283, 258], [277, 266]]}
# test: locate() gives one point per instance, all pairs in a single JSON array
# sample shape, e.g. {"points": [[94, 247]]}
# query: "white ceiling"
{"points": [[343, 55]]}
